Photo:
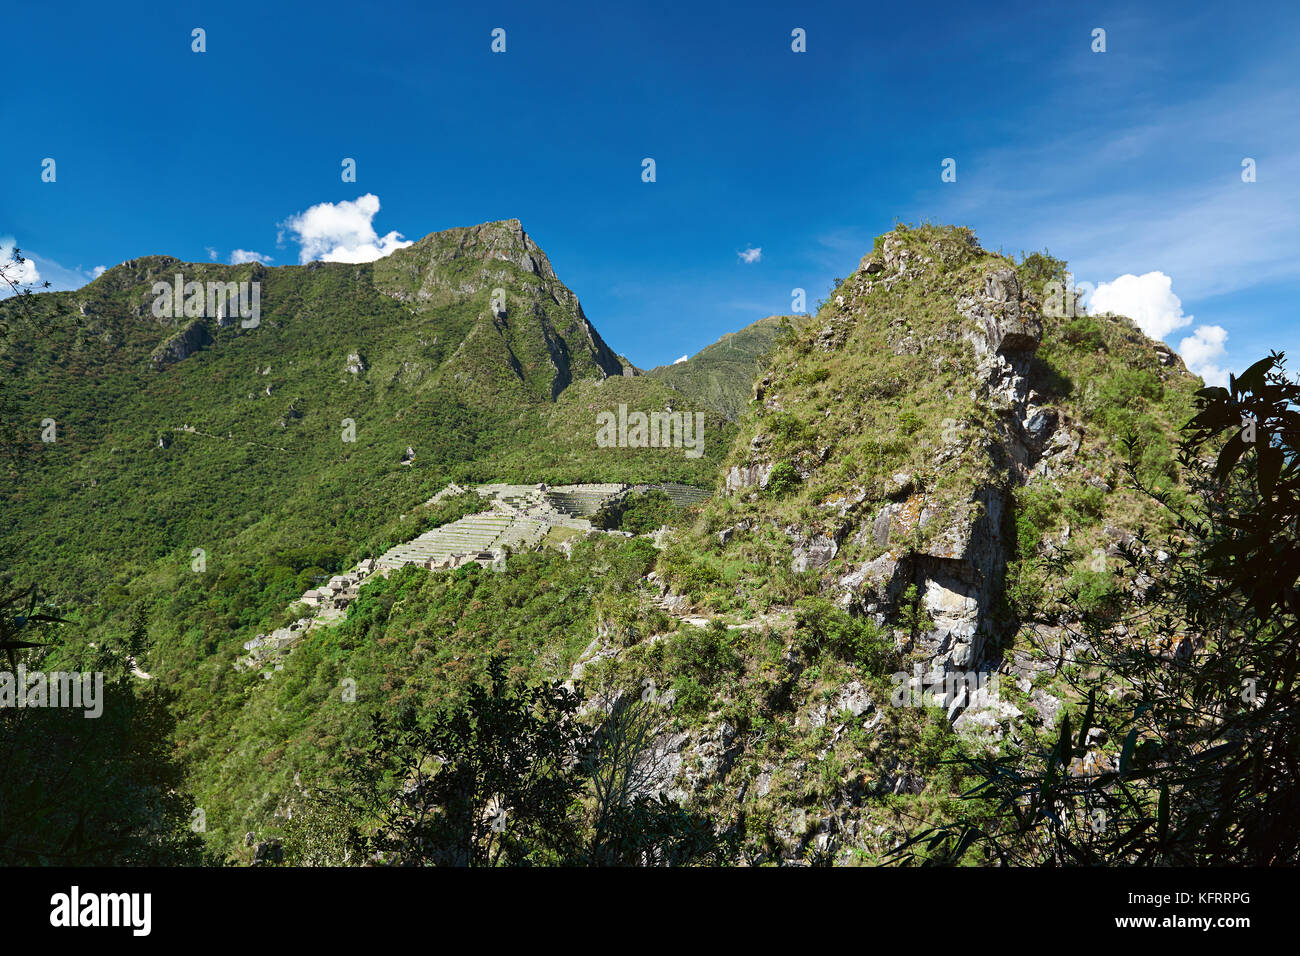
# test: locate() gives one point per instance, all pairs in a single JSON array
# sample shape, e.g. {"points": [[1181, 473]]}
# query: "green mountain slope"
{"points": [[928, 429], [722, 374]]}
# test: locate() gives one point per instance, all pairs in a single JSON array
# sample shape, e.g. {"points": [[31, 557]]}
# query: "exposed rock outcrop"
{"points": [[742, 477], [182, 345]]}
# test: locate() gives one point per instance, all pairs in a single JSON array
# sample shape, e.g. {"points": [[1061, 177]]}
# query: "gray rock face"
{"points": [[986, 715], [877, 581], [852, 698], [1002, 287], [182, 345], [957, 574], [1016, 329], [880, 527], [1041, 426], [677, 764], [816, 552], [749, 476], [1002, 315]]}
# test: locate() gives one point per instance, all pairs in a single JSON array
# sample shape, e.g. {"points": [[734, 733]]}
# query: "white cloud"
{"points": [[1147, 299], [680, 360], [342, 232], [240, 256], [751, 255], [1202, 351], [212, 253], [36, 270], [24, 273]]}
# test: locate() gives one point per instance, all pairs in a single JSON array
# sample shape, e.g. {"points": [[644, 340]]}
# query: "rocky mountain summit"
{"points": [[978, 417], [533, 319]]}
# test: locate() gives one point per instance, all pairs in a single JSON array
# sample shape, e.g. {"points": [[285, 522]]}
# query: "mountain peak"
{"points": [[504, 240], [520, 308]]}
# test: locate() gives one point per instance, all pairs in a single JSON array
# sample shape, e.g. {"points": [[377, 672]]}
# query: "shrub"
{"points": [[705, 652], [1095, 592], [783, 479], [821, 627], [1084, 332]]}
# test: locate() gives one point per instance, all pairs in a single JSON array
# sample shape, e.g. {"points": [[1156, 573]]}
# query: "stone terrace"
{"points": [[470, 535]]}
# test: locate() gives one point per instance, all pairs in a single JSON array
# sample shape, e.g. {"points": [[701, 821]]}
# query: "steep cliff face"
{"points": [[910, 459], [959, 564]]}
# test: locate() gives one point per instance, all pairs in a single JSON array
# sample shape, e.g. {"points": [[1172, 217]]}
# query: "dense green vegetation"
{"points": [[205, 495], [513, 776], [95, 784], [638, 514]]}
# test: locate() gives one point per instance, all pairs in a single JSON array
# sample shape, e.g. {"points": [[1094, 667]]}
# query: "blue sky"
{"points": [[1122, 162]]}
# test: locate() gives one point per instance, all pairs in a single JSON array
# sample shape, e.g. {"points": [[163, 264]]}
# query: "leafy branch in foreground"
{"points": [[515, 776], [12, 625]]}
